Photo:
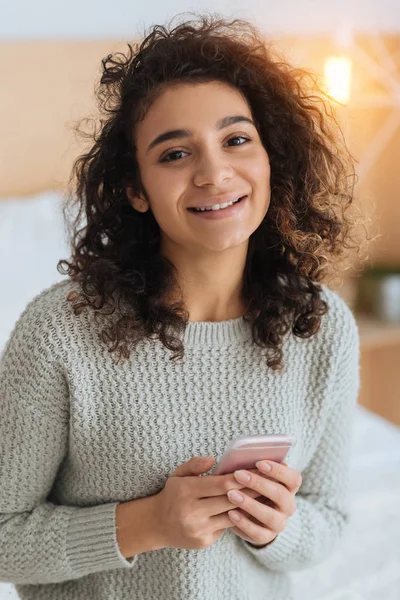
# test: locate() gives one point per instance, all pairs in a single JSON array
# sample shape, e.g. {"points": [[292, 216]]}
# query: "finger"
{"points": [[257, 496], [290, 478], [218, 485], [240, 533], [249, 491], [250, 530], [273, 490], [271, 518], [220, 505]]}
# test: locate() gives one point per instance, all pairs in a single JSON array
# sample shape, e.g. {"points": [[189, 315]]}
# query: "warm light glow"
{"points": [[337, 77]]}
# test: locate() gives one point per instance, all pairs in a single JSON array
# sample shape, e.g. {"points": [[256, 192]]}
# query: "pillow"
{"points": [[32, 241]]}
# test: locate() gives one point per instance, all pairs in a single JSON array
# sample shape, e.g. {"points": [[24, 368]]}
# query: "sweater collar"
{"points": [[214, 333]]}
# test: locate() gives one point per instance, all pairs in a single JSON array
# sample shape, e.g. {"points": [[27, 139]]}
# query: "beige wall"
{"points": [[48, 86]]}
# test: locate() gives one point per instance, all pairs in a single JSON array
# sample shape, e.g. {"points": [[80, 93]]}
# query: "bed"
{"points": [[366, 564]]}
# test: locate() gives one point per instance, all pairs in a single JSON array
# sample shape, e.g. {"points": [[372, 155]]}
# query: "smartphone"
{"points": [[244, 451]]}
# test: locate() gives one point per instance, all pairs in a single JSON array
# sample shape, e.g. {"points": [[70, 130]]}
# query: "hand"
{"points": [[191, 511], [272, 509]]}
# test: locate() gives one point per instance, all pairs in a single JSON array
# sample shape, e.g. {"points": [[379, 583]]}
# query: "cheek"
{"points": [[261, 169], [165, 207], [163, 211], [165, 185], [162, 192], [256, 169]]}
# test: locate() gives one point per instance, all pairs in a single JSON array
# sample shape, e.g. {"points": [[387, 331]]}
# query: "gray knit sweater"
{"points": [[79, 434]]}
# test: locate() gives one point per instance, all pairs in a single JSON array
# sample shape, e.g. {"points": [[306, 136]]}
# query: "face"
{"points": [[213, 158]]}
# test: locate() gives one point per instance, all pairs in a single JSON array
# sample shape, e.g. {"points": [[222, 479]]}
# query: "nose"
{"points": [[212, 169]]}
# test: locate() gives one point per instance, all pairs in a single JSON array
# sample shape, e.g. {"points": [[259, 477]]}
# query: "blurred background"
{"points": [[50, 61]]}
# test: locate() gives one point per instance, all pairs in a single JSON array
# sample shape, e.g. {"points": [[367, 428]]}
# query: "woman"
{"points": [[186, 321]]}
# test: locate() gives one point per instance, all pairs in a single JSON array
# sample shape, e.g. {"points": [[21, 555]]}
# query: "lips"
{"points": [[218, 200], [221, 214]]}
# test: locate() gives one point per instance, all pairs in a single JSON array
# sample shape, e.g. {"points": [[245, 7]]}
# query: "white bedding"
{"points": [[366, 564]]}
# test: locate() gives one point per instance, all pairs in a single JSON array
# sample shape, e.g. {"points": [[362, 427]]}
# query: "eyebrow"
{"points": [[179, 133]]}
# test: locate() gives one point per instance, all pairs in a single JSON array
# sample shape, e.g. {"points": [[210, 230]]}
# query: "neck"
{"points": [[211, 287]]}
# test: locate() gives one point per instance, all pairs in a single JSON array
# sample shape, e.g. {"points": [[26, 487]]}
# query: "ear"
{"points": [[137, 201]]}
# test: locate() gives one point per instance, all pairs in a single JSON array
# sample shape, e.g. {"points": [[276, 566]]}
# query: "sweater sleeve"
{"points": [[322, 501], [40, 541]]}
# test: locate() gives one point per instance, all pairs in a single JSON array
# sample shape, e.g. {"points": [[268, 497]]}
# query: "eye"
{"points": [[236, 137], [171, 154], [239, 137]]}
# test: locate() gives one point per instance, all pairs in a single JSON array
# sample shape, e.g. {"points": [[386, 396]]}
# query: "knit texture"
{"points": [[80, 434]]}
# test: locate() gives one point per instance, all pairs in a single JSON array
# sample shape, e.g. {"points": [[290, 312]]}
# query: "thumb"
{"points": [[194, 466]]}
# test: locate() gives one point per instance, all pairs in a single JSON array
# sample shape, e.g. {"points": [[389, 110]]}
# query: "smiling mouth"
{"points": [[217, 209]]}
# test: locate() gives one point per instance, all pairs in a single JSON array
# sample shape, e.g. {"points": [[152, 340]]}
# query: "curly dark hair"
{"points": [[116, 255]]}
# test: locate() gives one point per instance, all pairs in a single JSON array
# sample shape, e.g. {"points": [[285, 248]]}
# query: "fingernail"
{"points": [[242, 476], [263, 466], [234, 515], [235, 496]]}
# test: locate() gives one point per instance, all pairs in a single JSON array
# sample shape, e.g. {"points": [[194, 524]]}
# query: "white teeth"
{"points": [[217, 206]]}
